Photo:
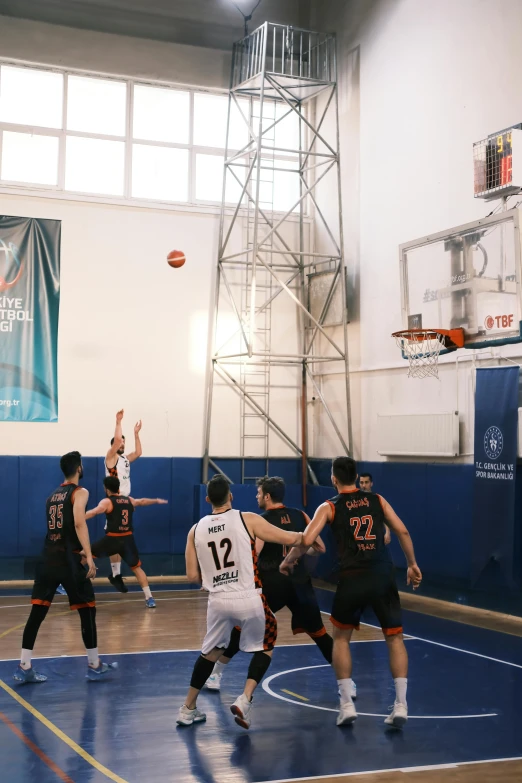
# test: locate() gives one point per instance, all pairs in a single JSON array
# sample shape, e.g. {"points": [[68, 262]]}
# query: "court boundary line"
{"points": [[409, 637], [61, 735], [427, 768], [265, 684], [158, 652]]}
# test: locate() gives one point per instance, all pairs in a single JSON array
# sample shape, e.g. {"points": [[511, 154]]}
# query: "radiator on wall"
{"points": [[419, 435]]}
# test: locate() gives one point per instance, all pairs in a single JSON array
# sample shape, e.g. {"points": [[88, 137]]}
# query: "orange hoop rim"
{"points": [[453, 338]]}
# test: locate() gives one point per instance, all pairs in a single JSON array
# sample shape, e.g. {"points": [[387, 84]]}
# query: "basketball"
{"points": [[176, 258]]}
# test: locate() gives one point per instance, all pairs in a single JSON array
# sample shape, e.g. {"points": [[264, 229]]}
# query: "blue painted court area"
{"points": [[463, 707]]}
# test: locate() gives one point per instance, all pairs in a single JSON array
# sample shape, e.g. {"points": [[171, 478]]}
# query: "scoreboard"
{"points": [[497, 164]]}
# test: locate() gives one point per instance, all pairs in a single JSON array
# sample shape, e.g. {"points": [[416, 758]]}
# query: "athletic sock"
{"points": [[116, 569], [147, 592], [345, 689], [401, 686], [25, 659], [93, 657], [219, 667]]}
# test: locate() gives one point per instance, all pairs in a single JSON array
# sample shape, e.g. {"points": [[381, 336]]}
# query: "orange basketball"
{"points": [[176, 258]]}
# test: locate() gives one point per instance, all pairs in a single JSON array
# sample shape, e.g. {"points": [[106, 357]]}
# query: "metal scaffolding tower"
{"points": [[284, 93]]}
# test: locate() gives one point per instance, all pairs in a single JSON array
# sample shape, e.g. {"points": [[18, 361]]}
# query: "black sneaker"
{"points": [[118, 583]]}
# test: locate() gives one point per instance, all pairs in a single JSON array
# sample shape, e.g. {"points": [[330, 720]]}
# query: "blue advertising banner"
{"points": [[496, 432], [29, 306]]}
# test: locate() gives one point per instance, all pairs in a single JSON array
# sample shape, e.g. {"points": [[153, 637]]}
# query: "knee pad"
{"points": [[201, 672], [233, 645], [258, 666]]}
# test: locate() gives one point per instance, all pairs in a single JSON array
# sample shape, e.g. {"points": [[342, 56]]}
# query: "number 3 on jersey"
{"points": [[359, 522], [225, 542]]}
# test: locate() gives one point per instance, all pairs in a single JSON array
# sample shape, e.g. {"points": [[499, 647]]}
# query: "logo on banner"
{"points": [[10, 253], [493, 442]]}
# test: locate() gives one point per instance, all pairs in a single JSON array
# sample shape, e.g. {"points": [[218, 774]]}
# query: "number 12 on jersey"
{"points": [[225, 542]]}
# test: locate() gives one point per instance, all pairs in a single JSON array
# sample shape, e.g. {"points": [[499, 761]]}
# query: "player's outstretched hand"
{"points": [[137, 427], [91, 573], [119, 416], [161, 501], [414, 576]]}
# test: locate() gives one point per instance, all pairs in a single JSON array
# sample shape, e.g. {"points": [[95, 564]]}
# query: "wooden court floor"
{"points": [[125, 626]]}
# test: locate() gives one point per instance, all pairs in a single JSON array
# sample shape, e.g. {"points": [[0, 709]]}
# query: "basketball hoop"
{"points": [[422, 348]]}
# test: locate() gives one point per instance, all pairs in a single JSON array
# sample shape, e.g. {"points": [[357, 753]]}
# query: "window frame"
{"points": [[59, 191]]}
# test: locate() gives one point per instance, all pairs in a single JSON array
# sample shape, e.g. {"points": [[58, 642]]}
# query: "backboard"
{"points": [[467, 277]]}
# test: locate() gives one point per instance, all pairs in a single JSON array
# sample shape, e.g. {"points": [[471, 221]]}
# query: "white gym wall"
{"points": [[420, 82], [133, 333]]}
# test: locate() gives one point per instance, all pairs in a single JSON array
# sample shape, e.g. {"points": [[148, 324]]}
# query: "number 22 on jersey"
{"points": [[365, 522]]}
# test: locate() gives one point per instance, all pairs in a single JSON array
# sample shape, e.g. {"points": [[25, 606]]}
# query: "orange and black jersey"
{"points": [[272, 555], [119, 518], [358, 527], [61, 539]]}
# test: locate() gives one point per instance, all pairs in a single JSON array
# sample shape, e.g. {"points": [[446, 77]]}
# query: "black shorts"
{"points": [[374, 587], [72, 575], [299, 596], [118, 545]]}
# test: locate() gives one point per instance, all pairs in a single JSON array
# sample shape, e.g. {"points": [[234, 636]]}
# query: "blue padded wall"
{"points": [[434, 500], [161, 531], [10, 514]]}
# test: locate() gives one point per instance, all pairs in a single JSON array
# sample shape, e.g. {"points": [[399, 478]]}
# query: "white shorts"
{"points": [[247, 611]]}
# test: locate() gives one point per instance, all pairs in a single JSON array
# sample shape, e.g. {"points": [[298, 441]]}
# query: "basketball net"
{"points": [[422, 348]]}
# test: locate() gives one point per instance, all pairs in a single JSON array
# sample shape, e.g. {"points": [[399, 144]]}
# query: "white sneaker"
{"points": [[353, 691], [214, 682], [347, 713], [241, 710], [187, 717], [398, 716]]}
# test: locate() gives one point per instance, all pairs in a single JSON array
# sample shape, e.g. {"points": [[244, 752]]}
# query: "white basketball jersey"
{"points": [[122, 471], [226, 554]]}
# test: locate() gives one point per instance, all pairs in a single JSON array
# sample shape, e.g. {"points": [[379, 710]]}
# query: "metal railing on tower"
{"points": [[280, 316]]}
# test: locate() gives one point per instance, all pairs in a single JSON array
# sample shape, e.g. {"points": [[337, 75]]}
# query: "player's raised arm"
{"points": [[148, 501], [117, 442], [260, 528], [81, 496], [102, 508], [137, 443], [191, 559], [401, 531]]}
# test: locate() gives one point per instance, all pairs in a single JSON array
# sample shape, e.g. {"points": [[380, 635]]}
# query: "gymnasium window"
{"points": [[117, 138]]}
